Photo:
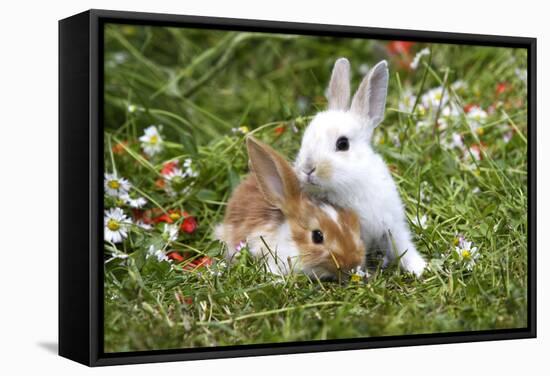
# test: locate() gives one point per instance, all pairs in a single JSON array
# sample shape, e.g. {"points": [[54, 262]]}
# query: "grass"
{"points": [[200, 85]]}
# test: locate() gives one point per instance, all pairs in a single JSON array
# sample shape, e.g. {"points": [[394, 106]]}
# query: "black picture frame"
{"points": [[81, 174]]}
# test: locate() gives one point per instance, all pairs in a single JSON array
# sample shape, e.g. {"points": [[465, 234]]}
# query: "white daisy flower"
{"points": [[151, 141], [115, 225], [146, 226], [458, 85], [241, 130], [418, 56], [420, 222], [170, 232], [407, 101], [442, 123], [439, 97], [395, 140], [120, 57], [435, 97], [175, 180], [357, 274], [521, 74], [472, 151], [188, 169], [115, 186], [133, 201], [467, 254], [424, 195], [421, 124], [475, 127], [477, 114], [363, 69], [450, 111], [157, 253], [215, 272], [458, 239], [476, 117], [456, 142]]}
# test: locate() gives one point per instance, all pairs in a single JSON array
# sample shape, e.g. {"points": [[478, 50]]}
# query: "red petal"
{"points": [[399, 47], [501, 87], [189, 225], [176, 256], [468, 107], [203, 261], [279, 130], [168, 167], [163, 218], [160, 183]]}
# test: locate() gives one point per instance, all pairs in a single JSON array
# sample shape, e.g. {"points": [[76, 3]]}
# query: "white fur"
{"points": [[282, 257], [331, 212], [359, 178]]}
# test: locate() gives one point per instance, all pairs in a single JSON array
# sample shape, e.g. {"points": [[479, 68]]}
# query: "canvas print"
{"points": [[266, 188]]}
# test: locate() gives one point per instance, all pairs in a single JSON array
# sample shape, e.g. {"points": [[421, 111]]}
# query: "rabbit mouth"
{"points": [[312, 186], [311, 180]]}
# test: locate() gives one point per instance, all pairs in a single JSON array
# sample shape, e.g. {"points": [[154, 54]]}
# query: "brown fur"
{"points": [[341, 239], [247, 210]]}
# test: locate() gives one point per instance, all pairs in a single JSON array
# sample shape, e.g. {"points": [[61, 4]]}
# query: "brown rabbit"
{"points": [[301, 234]]}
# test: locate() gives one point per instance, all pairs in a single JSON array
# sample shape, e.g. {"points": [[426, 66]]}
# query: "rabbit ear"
{"points": [[369, 101], [276, 178], [338, 91]]}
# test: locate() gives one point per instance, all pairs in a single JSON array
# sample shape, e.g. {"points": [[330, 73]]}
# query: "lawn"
{"points": [[178, 105]]}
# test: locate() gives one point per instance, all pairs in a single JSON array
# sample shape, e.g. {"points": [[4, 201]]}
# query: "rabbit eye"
{"points": [[317, 236], [342, 144]]}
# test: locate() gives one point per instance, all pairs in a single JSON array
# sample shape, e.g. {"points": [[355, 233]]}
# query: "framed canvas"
{"points": [[236, 187]]}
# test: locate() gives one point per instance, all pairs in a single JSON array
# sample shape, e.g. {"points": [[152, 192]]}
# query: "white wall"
{"points": [[28, 205]]}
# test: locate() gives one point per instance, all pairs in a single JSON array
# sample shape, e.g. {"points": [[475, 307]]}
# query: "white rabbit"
{"points": [[337, 163]]}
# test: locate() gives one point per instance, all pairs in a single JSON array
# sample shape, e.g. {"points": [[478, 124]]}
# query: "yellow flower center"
{"points": [[175, 216], [438, 96], [355, 278], [113, 224], [113, 184], [244, 129], [456, 241], [480, 131], [177, 183], [466, 255], [154, 140]]}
